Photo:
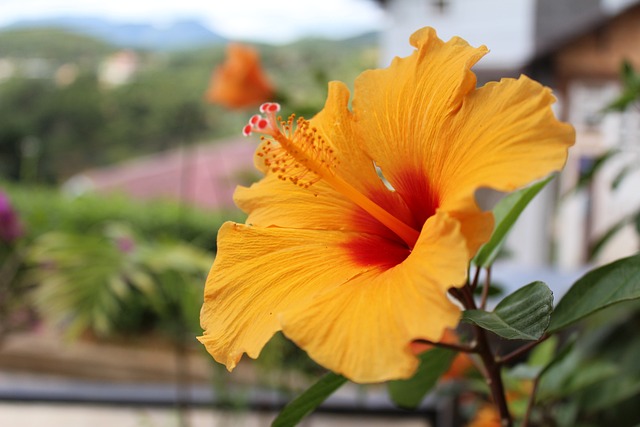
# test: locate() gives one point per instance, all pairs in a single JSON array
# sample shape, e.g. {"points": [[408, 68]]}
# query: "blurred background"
{"points": [[120, 148]]}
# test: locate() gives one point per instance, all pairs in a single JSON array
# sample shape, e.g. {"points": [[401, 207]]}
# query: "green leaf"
{"points": [[304, 404], [523, 315], [627, 73], [600, 288], [610, 391], [630, 91], [538, 361], [506, 213], [433, 363], [558, 367], [572, 375], [543, 353]]}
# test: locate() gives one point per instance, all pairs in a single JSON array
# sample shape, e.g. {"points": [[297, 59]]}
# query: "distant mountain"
{"points": [[180, 35]]}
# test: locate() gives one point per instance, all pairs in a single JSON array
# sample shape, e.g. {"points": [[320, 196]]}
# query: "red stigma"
{"points": [[261, 122]]}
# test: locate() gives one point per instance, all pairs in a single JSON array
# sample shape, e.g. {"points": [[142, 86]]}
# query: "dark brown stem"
{"points": [[492, 368], [474, 284], [450, 346], [519, 351], [532, 400], [485, 288]]}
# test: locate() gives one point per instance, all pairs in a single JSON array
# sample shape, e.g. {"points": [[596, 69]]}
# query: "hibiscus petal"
{"points": [[504, 136], [400, 109], [320, 208], [260, 272], [363, 328], [438, 139]]}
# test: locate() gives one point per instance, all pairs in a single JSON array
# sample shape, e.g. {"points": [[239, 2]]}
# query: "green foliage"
{"points": [[433, 364], [613, 340], [522, 315], [610, 284], [313, 397], [54, 44], [311, 63], [110, 265], [86, 124], [116, 284], [43, 209], [506, 213], [630, 91], [594, 377]]}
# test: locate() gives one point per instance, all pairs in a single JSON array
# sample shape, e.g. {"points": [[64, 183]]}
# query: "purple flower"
{"points": [[125, 244], [10, 226]]}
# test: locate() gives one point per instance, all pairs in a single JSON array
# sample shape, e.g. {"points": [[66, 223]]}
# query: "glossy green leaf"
{"points": [[313, 397], [506, 213], [600, 288], [433, 364], [523, 315]]}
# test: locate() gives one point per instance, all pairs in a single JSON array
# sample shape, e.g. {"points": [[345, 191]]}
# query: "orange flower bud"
{"points": [[487, 416], [240, 81]]}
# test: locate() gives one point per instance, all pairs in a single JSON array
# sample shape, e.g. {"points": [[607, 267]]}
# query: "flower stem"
{"points": [[474, 284], [450, 346], [485, 288], [531, 402], [492, 367], [519, 351]]}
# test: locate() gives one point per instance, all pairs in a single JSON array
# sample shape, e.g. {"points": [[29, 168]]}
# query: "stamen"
{"points": [[300, 154]]}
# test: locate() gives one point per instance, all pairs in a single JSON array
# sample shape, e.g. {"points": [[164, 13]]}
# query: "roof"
{"points": [[205, 175]]}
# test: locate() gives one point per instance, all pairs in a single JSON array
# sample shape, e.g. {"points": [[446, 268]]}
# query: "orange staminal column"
{"points": [[302, 156]]}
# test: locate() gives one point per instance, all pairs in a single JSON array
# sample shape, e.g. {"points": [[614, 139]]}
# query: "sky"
{"points": [[270, 21]]}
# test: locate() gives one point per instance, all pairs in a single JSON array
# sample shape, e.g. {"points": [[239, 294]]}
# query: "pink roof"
{"points": [[205, 175]]}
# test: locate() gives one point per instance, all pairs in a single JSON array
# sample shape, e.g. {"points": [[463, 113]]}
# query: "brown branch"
{"points": [[519, 351], [492, 368], [485, 288], [476, 276], [456, 347], [531, 402]]}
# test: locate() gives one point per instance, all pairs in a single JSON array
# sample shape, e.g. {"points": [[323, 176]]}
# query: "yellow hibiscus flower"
{"points": [[366, 216]]}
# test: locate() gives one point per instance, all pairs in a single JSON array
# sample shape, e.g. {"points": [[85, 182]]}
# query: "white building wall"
{"points": [[506, 27]]}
